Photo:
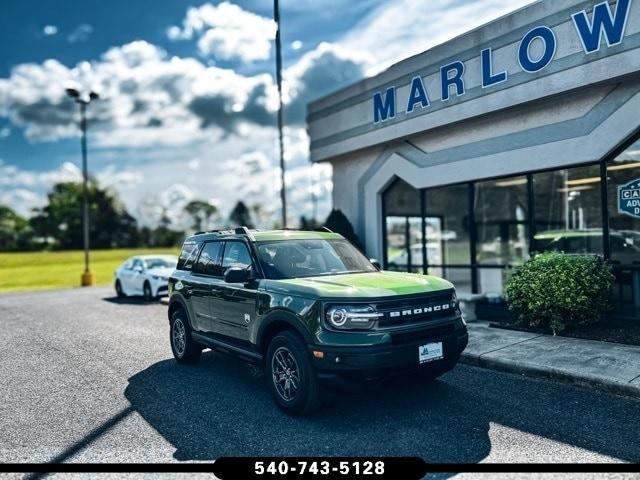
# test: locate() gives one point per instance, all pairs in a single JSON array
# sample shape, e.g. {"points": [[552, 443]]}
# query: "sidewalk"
{"points": [[611, 367]]}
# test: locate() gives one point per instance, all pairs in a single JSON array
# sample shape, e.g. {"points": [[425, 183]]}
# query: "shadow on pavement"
{"points": [[130, 301], [222, 407]]}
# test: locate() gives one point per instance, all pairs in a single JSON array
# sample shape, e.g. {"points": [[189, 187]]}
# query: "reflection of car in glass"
{"points": [[401, 259], [145, 275], [624, 245], [310, 308]]}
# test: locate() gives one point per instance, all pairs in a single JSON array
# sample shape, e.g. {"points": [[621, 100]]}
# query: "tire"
{"points": [[288, 360], [119, 292], [188, 350], [146, 292]]}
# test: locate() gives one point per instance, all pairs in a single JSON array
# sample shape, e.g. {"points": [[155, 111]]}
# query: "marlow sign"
{"points": [[629, 198], [603, 24]]}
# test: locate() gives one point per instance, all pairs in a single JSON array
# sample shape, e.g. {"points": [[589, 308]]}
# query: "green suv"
{"points": [[311, 309]]}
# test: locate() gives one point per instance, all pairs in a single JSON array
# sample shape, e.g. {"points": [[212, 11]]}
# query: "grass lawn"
{"points": [[41, 270]]}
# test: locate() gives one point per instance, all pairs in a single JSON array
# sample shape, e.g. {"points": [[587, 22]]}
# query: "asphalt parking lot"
{"points": [[85, 377]]}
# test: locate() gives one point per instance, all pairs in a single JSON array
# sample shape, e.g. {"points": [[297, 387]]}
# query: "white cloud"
{"points": [[194, 165], [148, 99], [80, 34], [296, 45], [21, 200], [320, 72], [159, 115], [12, 176], [5, 132], [417, 28], [227, 32], [50, 30]]}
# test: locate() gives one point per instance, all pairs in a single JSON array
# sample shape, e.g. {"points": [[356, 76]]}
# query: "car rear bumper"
{"points": [[371, 361]]}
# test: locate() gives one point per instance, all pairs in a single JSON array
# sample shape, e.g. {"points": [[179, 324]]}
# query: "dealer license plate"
{"points": [[430, 352]]}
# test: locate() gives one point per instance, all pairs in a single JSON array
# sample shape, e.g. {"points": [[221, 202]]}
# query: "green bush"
{"points": [[556, 291]]}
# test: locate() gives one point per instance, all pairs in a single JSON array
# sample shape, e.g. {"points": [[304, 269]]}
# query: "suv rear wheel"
{"points": [[185, 349], [291, 377]]}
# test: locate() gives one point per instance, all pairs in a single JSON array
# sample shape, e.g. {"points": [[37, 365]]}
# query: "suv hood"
{"points": [[359, 285]]}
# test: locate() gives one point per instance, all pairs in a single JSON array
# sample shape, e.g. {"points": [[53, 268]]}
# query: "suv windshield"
{"points": [[309, 258]]}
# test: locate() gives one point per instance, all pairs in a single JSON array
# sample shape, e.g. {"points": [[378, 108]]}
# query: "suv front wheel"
{"points": [[292, 379], [185, 349]]}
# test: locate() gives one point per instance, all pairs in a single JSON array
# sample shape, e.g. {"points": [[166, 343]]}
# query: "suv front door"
{"points": [[234, 308]]}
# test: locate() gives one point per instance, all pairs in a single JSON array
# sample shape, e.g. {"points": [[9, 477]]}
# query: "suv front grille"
{"points": [[417, 310], [433, 333]]}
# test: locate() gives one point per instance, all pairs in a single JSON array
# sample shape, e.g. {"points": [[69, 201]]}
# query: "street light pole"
{"points": [[87, 278], [283, 195]]}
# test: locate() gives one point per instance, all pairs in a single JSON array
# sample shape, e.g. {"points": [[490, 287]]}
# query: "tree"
{"points": [[202, 214], [110, 224], [308, 224], [240, 216], [13, 230], [164, 235], [339, 223]]}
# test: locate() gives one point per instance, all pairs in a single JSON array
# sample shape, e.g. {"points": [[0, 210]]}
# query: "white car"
{"points": [[145, 275]]}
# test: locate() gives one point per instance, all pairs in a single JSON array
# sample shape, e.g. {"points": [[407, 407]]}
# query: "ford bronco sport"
{"points": [[309, 307]]}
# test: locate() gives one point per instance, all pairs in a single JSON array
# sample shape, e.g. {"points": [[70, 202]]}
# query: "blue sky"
{"points": [[188, 94]]}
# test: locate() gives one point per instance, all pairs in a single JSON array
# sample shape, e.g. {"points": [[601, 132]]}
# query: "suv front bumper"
{"points": [[376, 360]]}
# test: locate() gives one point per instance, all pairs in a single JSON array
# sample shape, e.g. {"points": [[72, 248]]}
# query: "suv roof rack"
{"points": [[233, 231], [244, 231]]}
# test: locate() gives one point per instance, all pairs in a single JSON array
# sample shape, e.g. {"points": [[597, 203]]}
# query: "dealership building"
{"points": [[520, 136]]}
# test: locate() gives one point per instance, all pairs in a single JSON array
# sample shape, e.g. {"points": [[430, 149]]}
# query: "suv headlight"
{"points": [[352, 317]]}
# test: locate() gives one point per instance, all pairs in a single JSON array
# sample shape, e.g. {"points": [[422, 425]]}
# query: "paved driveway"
{"points": [[86, 377]]}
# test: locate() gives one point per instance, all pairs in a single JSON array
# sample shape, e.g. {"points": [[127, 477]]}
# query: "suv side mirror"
{"points": [[138, 269], [375, 263], [237, 275]]}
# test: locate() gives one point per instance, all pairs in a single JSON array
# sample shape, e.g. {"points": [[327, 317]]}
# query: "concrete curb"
{"points": [[548, 373]]}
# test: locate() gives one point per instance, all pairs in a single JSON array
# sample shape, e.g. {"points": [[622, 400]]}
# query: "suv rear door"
{"points": [[206, 272], [234, 307]]}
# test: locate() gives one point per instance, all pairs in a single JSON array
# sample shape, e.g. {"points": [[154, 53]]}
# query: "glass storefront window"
{"points": [[491, 280], [623, 180], [568, 210], [623, 187], [447, 225], [565, 214], [403, 228], [459, 276], [501, 208]]}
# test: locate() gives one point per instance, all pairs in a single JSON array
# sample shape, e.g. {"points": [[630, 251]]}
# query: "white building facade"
{"points": [[520, 136]]}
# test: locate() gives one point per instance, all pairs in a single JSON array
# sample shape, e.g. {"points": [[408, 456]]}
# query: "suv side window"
{"points": [[209, 261], [236, 254], [188, 255]]}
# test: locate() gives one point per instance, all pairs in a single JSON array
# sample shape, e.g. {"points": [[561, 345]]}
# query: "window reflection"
{"points": [[501, 221], [623, 175], [447, 225], [403, 227], [568, 210]]}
